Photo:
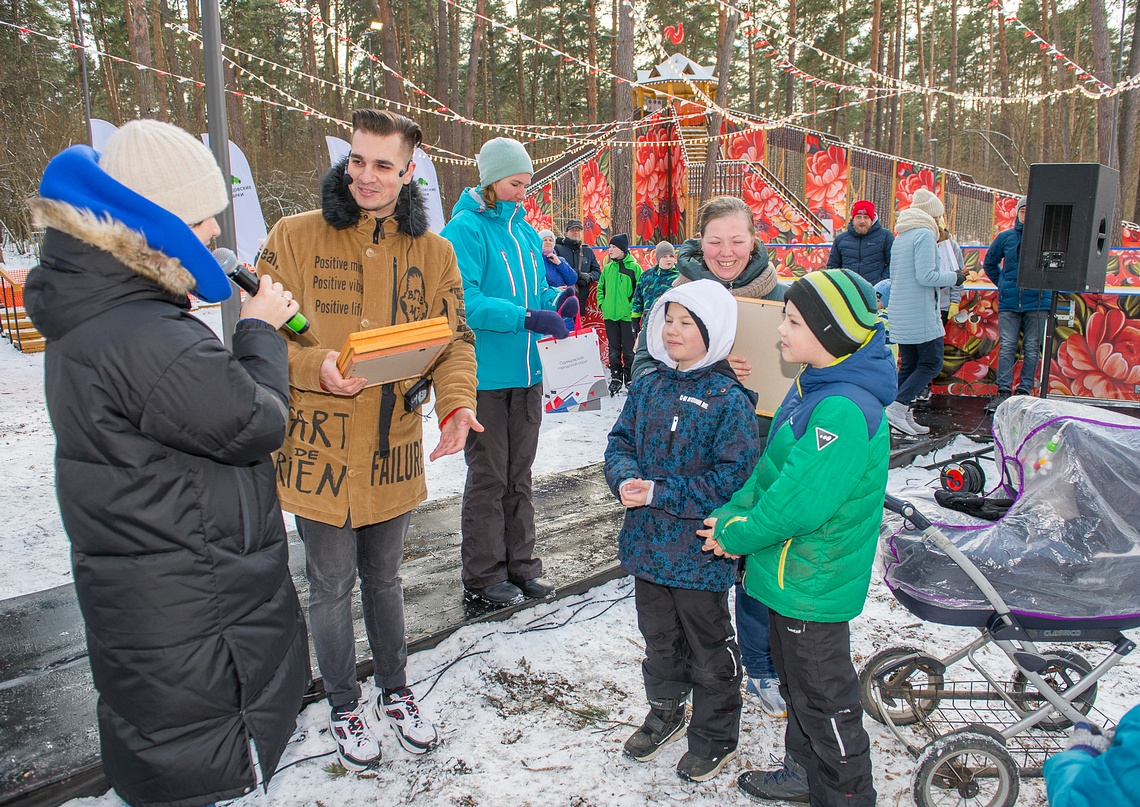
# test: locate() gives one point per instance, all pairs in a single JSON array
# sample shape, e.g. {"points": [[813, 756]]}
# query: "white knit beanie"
{"points": [[928, 203], [502, 157], [168, 166]]}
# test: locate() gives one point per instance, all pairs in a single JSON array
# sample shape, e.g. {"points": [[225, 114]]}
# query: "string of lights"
{"points": [[764, 42]]}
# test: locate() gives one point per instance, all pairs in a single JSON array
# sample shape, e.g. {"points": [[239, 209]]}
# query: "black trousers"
{"points": [[825, 730], [619, 335], [690, 647], [498, 502]]}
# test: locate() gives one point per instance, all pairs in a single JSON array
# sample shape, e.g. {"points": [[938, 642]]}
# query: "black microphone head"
{"points": [[346, 178], [406, 167], [226, 259]]}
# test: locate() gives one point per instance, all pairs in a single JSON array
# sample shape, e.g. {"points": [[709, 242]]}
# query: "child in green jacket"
{"points": [[615, 300], [808, 523]]}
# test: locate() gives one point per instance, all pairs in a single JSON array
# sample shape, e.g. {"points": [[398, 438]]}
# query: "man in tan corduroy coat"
{"points": [[352, 466]]}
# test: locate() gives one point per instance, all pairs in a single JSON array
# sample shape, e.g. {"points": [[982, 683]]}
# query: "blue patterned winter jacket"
{"points": [[694, 434]]}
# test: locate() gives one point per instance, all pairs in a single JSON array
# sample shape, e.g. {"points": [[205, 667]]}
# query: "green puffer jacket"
{"points": [[616, 287], [808, 518]]}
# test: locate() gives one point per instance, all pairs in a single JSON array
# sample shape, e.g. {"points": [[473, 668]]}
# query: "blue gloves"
{"points": [[568, 309], [1088, 738], [545, 322]]}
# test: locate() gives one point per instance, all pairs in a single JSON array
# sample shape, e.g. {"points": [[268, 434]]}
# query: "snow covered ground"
{"points": [[531, 711]]}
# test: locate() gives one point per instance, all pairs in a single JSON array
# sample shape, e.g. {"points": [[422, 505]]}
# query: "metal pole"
{"points": [[219, 142], [83, 71]]}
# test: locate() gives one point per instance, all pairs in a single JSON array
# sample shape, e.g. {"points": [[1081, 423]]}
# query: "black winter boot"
{"points": [[664, 724], [615, 382], [625, 377]]}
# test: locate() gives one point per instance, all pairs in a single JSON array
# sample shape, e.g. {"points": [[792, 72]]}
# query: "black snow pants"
{"points": [[690, 646], [825, 731]]}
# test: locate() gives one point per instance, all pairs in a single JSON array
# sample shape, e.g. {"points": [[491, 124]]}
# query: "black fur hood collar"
{"points": [[341, 210]]}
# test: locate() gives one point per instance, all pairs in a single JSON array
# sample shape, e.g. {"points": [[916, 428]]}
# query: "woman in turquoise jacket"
{"points": [[1097, 770], [509, 306]]}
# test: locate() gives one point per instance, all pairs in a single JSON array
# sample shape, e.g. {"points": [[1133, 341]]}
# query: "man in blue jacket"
{"points": [[1021, 312], [864, 247]]}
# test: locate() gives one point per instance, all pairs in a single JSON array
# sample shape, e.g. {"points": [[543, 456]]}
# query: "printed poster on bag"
{"points": [[573, 378]]}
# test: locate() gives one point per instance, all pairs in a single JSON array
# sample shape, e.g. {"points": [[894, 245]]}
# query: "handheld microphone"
{"points": [[248, 282]]}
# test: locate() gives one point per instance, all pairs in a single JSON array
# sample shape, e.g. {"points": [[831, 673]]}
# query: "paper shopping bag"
{"points": [[573, 378]]}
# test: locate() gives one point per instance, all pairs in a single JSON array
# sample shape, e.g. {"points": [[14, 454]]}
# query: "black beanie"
{"points": [[621, 241]]}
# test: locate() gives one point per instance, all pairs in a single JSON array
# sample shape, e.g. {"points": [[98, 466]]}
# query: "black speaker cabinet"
{"points": [[1068, 225]]}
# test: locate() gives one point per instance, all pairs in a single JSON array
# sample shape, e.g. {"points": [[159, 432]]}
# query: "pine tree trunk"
{"points": [[591, 73], [951, 102], [723, 71], [473, 73], [138, 33], [872, 123], [107, 70], [789, 82], [173, 65], [1102, 66], [1062, 102], [1129, 104], [621, 176]]}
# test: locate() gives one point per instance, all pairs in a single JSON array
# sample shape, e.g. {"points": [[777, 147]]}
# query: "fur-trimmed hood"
{"points": [[89, 264], [341, 210]]}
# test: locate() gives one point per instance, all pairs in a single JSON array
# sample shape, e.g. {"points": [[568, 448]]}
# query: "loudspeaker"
{"points": [[1068, 224]]}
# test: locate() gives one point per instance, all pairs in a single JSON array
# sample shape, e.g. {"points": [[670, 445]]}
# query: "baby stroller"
{"points": [[1062, 566]]}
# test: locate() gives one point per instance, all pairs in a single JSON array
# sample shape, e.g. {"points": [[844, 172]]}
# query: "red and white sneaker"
{"points": [[413, 730], [356, 745]]}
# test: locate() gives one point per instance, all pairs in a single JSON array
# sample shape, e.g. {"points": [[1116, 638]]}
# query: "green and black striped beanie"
{"points": [[839, 306]]}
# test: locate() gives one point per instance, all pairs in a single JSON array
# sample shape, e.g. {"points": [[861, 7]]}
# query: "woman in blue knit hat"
{"points": [[510, 306]]}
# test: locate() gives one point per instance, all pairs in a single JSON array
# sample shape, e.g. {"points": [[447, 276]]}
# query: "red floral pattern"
{"points": [[596, 200], [908, 180], [657, 216], [538, 209], [826, 184], [747, 145], [1005, 212], [1104, 361]]}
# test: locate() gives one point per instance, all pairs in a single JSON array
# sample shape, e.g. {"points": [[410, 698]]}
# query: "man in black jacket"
{"points": [[580, 257], [865, 246]]}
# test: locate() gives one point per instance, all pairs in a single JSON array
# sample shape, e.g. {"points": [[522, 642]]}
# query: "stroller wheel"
{"points": [[1064, 670], [965, 768], [905, 681]]}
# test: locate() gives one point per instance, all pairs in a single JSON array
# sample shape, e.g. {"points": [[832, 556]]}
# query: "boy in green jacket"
{"points": [[615, 300], [808, 523]]}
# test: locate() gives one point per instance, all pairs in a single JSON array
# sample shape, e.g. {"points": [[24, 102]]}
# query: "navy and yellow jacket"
{"points": [[808, 518]]}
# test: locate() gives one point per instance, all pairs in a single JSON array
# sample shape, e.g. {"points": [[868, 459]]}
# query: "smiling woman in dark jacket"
{"points": [[196, 639]]}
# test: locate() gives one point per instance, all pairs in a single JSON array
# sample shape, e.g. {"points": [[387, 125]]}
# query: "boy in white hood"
{"points": [[684, 441]]}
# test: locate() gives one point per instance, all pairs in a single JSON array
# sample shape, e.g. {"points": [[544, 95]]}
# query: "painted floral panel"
{"points": [[825, 181], [540, 209], [596, 196]]}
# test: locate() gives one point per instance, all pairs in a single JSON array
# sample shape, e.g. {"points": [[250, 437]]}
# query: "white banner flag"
{"points": [[424, 176], [100, 131], [248, 218]]}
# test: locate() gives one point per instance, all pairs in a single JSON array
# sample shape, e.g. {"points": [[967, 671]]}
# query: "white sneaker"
{"points": [[413, 730], [918, 427], [356, 745], [898, 420], [768, 691]]}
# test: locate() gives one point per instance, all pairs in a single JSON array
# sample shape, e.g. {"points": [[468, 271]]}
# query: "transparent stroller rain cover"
{"points": [[1068, 548]]}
